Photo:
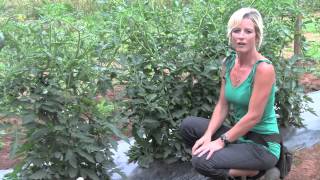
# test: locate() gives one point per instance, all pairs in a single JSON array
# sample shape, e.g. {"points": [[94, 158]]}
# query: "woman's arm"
{"points": [[262, 86]]}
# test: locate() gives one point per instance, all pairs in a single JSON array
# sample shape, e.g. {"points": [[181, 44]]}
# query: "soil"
{"points": [[5, 161], [306, 164], [310, 82]]}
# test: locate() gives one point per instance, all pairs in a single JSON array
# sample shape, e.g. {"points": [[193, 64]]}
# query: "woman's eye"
{"points": [[236, 30]]}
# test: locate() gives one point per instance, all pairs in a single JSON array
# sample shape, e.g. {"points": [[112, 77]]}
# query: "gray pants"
{"points": [[247, 156]]}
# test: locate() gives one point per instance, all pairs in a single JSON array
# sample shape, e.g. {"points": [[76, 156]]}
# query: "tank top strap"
{"points": [[253, 72], [229, 61]]}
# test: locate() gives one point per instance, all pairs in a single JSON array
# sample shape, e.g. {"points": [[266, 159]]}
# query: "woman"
{"points": [[248, 85]]}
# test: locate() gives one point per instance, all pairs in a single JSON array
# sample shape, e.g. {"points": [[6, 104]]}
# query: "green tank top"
{"points": [[238, 98]]}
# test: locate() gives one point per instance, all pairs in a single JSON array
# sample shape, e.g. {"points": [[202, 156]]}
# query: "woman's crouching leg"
{"points": [[192, 128], [208, 168], [237, 157]]}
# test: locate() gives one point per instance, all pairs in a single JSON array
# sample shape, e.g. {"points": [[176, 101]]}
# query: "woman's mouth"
{"points": [[241, 44]]}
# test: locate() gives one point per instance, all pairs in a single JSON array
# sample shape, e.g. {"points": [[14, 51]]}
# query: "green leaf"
{"points": [[151, 97], [83, 137], [158, 137], [92, 148], [140, 132], [41, 174], [29, 118], [86, 155], [151, 123], [59, 128], [71, 158], [73, 172], [99, 157], [92, 175], [15, 143], [161, 110], [179, 113], [39, 133], [206, 107], [48, 108], [115, 130], [145, 161], [57, 155]]}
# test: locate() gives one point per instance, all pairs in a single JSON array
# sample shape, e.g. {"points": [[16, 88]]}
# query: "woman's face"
{"points": [[243, 36]]}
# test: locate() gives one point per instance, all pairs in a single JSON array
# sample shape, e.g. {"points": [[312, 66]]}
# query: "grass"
{"points": [[313, 50], [312, 27], [311, 31]]}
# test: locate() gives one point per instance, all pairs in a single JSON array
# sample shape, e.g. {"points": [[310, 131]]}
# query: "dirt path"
{"points": [[310, 82], [306, 164]]}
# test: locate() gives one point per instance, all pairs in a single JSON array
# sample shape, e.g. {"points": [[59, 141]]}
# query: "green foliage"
{"points": [[56, 11], [172, 58], [166, 55], [290, 100], [54, 69], [313, 51], [312, 5], [312, 26], [173, 71]]}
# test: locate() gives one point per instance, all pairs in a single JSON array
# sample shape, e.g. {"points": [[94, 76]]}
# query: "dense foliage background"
{"points": [[163, 57]]}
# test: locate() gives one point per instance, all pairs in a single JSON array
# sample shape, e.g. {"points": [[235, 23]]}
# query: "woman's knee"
{"points": [[201, 164], [207, 168]]}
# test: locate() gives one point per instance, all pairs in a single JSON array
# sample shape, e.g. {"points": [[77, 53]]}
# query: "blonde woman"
{"points": [[251, 146]]}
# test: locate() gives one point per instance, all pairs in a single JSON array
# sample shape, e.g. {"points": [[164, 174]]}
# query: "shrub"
{"points": [[54, 69]]}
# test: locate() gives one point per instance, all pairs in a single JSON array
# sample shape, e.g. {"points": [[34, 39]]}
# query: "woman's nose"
{"points": [[241, 34]]}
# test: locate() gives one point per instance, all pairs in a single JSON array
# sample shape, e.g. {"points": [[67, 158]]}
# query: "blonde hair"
{"points": [[251, 14]]}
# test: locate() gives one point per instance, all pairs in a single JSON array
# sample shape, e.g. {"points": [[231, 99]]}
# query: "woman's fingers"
{"points": [[196, 146], [202, 151], [214, 146], [209, 148], [210, 154]]}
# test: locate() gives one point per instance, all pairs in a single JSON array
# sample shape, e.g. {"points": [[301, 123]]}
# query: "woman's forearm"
{"points": [[242, 127], [218, 116]]}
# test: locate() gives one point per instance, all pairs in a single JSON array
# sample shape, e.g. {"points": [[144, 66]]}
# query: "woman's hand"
{"points": [[207, 147], [205, 139]]}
